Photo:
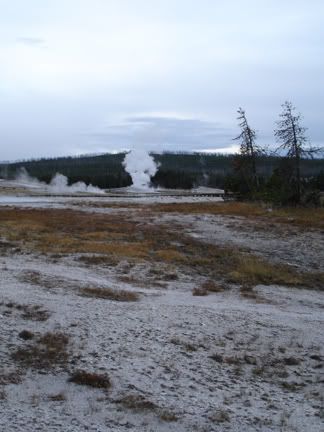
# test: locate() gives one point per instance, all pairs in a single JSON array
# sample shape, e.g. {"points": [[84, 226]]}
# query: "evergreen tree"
{"points": [[293, 140], [245, 163]]}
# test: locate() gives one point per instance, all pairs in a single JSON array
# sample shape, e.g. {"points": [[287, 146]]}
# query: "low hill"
{"points": [[176, 170]]}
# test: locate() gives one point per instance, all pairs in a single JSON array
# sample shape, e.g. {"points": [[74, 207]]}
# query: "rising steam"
{"points": [[141, 167], [58, 184]]}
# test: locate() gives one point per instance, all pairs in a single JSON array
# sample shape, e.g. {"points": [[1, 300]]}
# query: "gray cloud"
{"points": [[167, 133]]}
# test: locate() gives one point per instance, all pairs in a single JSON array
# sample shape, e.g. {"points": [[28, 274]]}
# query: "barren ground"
{"points": [[100, 330]]}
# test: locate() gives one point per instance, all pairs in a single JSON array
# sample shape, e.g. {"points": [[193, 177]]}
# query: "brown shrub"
{"points": [[110, 294], [108, 260], [217, 357], [35, 313], [30, 312], [59, 397], [46, 352], [199, 291], [248, 292], [167, 416], [291, 386], [47, 281], [220, 416], [291, 361], [170, 276], [90, 379], [233, 360], [136, 402], [212, 286]]}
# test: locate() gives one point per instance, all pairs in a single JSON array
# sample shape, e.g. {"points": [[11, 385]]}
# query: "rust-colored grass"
{"points": [[298, 216], [251, 270], [303, 217], [67, 232], [119, 237]]}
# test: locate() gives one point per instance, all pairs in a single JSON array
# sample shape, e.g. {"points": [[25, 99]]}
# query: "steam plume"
{"points": [[141, 167], [58, 184]]}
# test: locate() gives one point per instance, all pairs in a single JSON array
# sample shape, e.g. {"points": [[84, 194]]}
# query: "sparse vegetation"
{"points": [[188, 346], [142, 282], [217, 358], [213, 287], [136, 402], [46, 352], [207, 287], [248, 292], [167, 416], [58, 397], [13, 377], [291, 361], [110, 294], [300, 217], [106, 260], [123, 238], [46, 281], [90, 379], [232, 360], [199, 291], [29, 312], [259, 370], [220, 416], [291, 386], [35, 313], [251, 271], [199, 356]]}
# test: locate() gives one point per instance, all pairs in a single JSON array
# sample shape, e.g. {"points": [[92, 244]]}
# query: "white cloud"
{"points": [[69, 67]]}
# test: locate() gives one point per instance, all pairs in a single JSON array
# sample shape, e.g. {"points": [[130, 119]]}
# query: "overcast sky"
{"points": [[88, 76]]}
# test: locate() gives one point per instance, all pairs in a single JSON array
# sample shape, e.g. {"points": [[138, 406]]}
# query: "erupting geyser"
{"points": [[141, 167]]}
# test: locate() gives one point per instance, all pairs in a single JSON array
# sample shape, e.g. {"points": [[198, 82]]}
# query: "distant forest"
{"points": [[176, 170]]}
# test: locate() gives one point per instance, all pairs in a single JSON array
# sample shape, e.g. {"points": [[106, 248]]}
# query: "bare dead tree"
{"points": [[249, 150], [293, 140]]}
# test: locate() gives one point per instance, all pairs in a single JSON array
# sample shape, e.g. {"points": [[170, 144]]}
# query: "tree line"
{"points": [[290, 175], [287, 183], [176, 170]]}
